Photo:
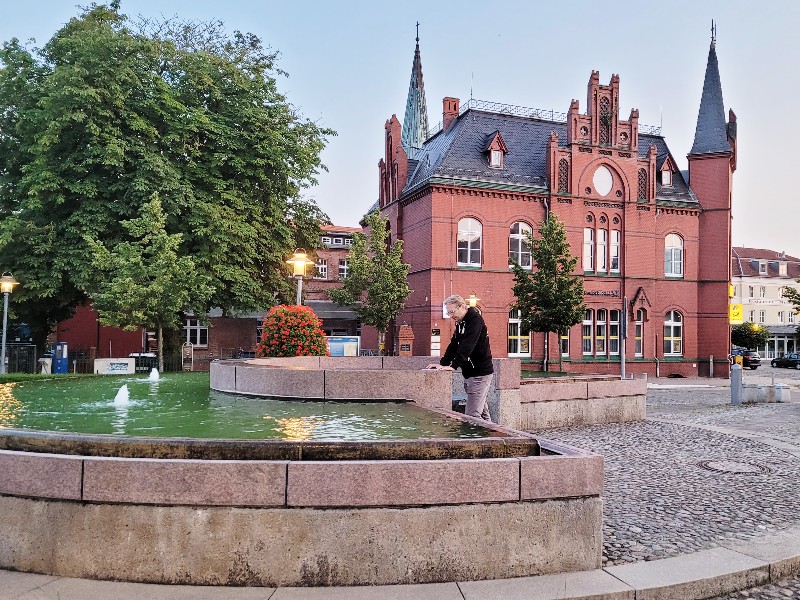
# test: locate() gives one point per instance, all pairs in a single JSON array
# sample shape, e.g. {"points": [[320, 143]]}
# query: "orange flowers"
{"points": [[291, 330]]}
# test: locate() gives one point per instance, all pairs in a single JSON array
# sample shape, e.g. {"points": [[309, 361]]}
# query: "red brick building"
{"points": [[654, 243]]}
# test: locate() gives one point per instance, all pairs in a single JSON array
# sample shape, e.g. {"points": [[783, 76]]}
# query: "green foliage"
{"points": [[107, 114], [549, 297], [291, 330], [146, 282], [793, 296], [749, 335], [376, 277]]}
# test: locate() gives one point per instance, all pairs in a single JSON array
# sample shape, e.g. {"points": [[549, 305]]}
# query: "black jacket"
{"points": [[469, 349]]}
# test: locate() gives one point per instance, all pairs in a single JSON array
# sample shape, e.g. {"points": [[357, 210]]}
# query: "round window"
{"points": [[602, 180]]}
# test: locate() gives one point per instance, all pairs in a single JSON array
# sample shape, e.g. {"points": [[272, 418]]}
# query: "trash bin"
{"points": [[60, 358]]}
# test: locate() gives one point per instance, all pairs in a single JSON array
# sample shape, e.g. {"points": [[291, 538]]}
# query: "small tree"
{"points": [[292, 331], [145, 282], [750, 336], [376, 277], [793, 296], [549, 297]]}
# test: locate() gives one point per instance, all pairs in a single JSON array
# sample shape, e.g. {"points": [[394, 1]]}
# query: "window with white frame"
{"points": [[763, 292], [751, 291], [348, 241], [519, 250], [613, 332], [752, 318], [673, 334], [195, 332], [259, 332], [781, 316], [519, 341], [673, 255], [469, 242], [762, 267], [782, 268], [337, 241], [616, 239], [564, 342], [639, 333], [586, 331], [496, 159], [588, 249], [791, 316], [666, 177], [600, 332], [326, 240], [762, 316], [321, 269], [343, 265], [602, 250]]}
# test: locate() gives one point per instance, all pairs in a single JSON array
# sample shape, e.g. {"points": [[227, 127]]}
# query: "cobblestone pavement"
{"points": [[787, 588], [677, 487]]}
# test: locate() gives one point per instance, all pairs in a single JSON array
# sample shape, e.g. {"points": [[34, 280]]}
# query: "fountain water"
{"points": [[122, 398], [154, 376]]}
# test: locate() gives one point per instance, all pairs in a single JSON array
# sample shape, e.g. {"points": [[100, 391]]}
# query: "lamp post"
{"points": [[299, 261], [473, 300], [7, 283]]}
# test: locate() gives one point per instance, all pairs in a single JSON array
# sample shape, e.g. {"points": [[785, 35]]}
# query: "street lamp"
{"points": [[473, 300], [7, 283], [299, 261]]}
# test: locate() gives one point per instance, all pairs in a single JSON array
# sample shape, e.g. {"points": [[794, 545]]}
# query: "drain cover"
{"points": [[733, 466]]}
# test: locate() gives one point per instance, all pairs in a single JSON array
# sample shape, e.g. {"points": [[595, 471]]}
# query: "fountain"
{"points": [[303, 512], [154, 376], [123, 397]]}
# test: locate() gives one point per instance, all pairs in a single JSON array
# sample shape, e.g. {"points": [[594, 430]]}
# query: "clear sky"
{"points": [[349, 65]]}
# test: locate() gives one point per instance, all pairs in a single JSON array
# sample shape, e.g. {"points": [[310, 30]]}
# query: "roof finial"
{"points": [[713, 34], [417, 32]]}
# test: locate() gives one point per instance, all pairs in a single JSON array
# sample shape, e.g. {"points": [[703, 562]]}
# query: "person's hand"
{"points": [[433, 366], [441, 368]]}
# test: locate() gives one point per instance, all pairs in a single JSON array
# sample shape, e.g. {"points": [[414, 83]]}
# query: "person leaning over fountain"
{"points": [[469, 350]]}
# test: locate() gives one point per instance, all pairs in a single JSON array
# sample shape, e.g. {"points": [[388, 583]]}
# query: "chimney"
{"points": [[449, 112]]}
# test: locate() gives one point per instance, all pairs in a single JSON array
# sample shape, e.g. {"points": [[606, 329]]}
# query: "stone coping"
{"points": [[561, 472]]}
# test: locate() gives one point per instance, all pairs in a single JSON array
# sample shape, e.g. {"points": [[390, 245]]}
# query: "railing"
{"points": [[522, 111]]}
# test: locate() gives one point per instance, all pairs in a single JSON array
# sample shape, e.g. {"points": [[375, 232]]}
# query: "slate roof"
{"points": [[744, 263], [459, 154], [711, 134]]}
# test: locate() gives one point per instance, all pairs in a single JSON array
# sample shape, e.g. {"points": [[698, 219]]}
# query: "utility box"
{"points": [[60, 358], [405, 338]]}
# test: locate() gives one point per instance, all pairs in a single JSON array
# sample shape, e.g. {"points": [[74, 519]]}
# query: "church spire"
{"points": [[415, 123], [711, 134]]}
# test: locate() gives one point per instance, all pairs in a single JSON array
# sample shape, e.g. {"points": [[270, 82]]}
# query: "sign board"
{"points": [[339, 345], [736, 314], [114, 366]]}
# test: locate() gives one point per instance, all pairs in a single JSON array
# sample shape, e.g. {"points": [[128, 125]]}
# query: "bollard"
{"points": [[736, 384]]}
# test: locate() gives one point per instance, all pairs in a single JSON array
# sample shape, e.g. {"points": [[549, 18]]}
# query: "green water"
{"points": [[182, 405]]}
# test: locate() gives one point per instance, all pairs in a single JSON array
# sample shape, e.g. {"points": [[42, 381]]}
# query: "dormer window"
{"points": [[782, 268], [337, 241], [326, 240], [496, 159], [762, 267], [666, 177]]}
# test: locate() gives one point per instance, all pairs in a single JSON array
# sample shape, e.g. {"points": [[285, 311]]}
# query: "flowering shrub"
{"points": [[291, 331]]}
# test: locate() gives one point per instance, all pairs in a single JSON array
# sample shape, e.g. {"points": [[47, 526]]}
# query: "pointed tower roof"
{"points": [[711, 134], [415, 123]]}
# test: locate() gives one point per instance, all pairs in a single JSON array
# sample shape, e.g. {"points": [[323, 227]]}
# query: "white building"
{"points": [[759, 277]]}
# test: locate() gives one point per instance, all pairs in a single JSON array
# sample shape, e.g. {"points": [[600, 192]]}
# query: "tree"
{"points": [[550, 296], [750, 336], [107, 113], [146, 282], [376, 285], [793, 296]]}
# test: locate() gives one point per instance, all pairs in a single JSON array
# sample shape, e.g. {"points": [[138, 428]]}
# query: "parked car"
{"points": [[789, 361], [751, 359]]}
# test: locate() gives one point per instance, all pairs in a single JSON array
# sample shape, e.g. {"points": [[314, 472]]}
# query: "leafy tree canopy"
{"points": [[108, 113], [793, 296], [377, 279], [749, 335]]}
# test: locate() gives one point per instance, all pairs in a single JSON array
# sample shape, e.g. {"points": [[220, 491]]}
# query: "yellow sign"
{"points": [[736, 313]]}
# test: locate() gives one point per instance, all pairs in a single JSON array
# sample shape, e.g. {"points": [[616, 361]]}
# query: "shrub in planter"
{"points": [[291, 330]]}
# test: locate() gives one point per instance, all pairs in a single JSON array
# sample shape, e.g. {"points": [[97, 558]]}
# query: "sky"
{"points": [[349, 66]]}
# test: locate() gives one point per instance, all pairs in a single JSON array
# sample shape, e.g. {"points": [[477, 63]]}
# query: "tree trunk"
{"points": [[160, 348]]}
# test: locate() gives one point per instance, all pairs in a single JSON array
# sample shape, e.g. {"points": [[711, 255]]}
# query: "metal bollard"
{"points": [[736, 384]]}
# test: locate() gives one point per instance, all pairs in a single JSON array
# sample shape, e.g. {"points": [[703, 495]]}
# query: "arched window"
{"points": [[605, 120], [602, 250], [519, 250], [586, 330], [673, 334], [673, 255], [469, 242], [639, 333], [642, 192], [519, 341], [588, 249], [563, 176]]}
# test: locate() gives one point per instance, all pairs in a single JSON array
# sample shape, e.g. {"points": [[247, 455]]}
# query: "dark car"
{"points": [[789, 361], [751, 359]]}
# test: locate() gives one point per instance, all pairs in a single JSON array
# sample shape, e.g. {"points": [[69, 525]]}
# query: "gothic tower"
{"points": [[415, 123]]}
